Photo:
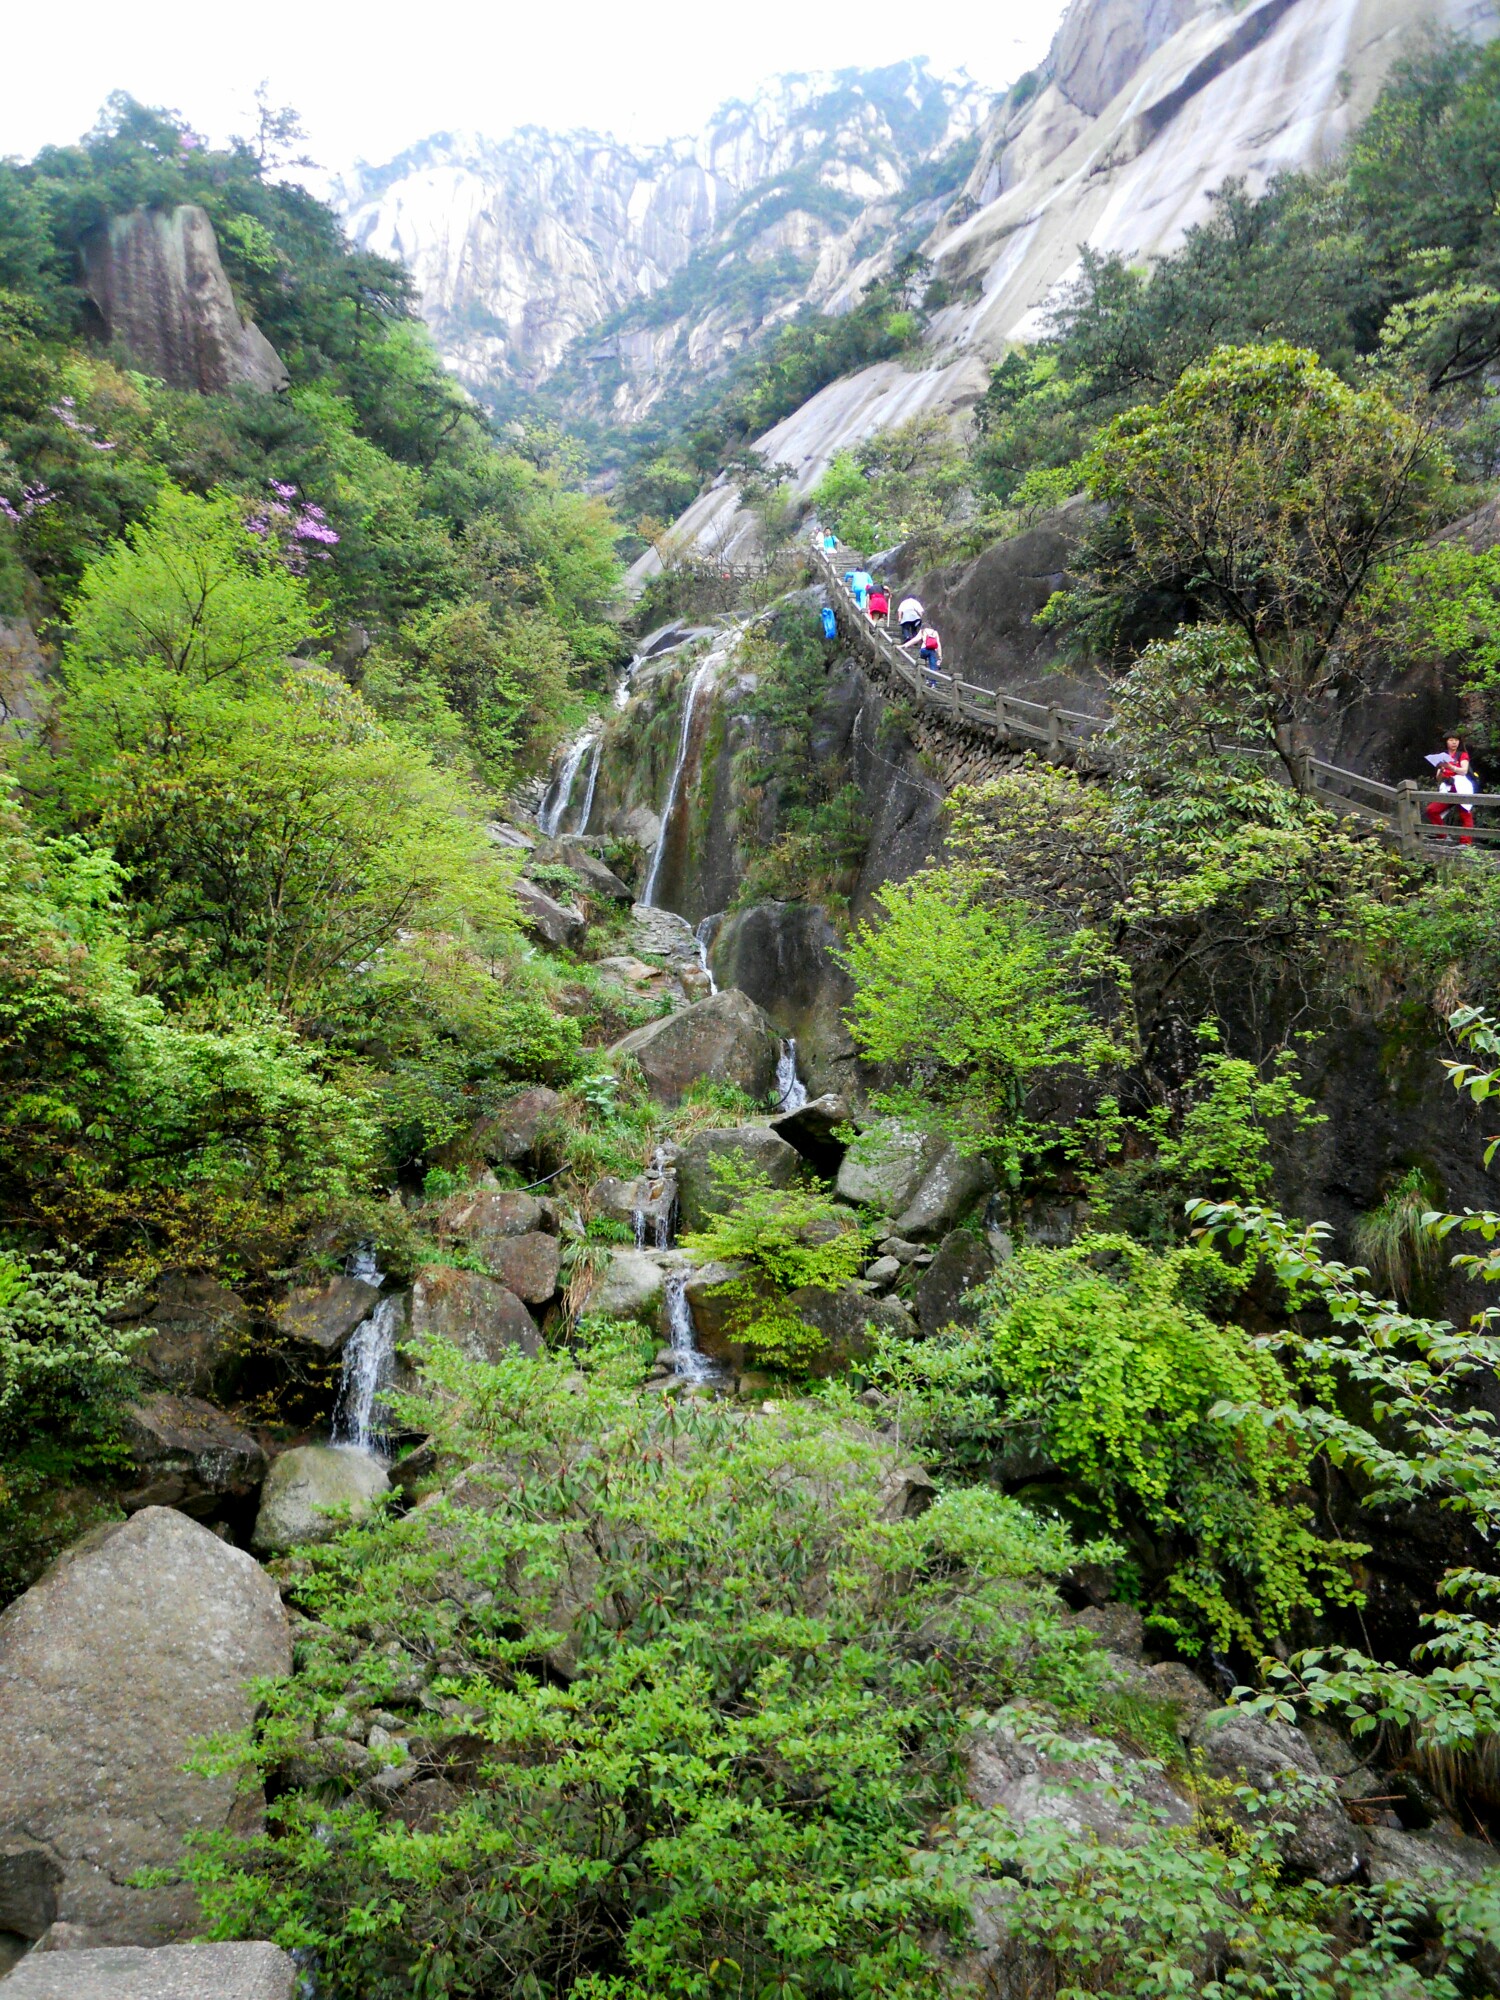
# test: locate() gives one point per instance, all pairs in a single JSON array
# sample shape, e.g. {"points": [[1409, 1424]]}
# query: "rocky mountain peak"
{"points": [[522, 244]]}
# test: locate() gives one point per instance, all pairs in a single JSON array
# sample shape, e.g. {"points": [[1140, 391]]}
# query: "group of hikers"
{"points": [[1453, 767], [872, 597]]}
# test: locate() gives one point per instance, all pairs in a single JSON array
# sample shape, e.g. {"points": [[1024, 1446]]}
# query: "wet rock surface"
{"points": [[554, 922], [187, 1453], [324, 1316], [138, 1643]]}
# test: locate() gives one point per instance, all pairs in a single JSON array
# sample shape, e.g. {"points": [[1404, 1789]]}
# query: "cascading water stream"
{"points": [[560, 792], [791, 1091], [704, 937], [369, 1367], [589, 789], [648, 894], [689, 1361]]}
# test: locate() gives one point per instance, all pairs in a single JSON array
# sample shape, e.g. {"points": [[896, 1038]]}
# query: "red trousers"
{"points": [[1439, 814]]}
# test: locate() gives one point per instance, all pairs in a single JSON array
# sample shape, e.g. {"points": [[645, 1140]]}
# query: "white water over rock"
{"points": [[688, 1359], [560, 791], [704, 937], [369, 1368], [648, 894], [791, 1091], [591, 786]]}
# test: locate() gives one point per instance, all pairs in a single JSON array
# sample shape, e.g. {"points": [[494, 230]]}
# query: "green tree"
{"points": [[975, 999], [1264, 493]]}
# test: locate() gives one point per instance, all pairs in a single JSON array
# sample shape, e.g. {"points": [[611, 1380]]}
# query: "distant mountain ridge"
{"points": [[671, 257]]}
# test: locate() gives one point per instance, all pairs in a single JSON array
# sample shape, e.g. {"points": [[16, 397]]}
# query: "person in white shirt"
{"points": [[909, 612]]}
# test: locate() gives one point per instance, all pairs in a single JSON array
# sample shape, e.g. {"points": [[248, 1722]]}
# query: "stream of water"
{"points": [[688, 1359], [560, 791], [648, 894], [369, 1367], [791, 1091], [592, 785]]}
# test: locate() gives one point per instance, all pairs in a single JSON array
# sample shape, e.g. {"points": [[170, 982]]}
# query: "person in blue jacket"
{"points": [[861, 583]]}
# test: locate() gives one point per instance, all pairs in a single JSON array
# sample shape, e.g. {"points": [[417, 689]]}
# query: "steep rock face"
{"points": [[1117, 142], [522, 246], [156, 278]]}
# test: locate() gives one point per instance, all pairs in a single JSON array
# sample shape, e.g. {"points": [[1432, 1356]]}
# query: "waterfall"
{"points": [[688, 1358], [659, 1225], [359, 1414], [588, 792], [560, 791], [791, 1091], [648, 894], [704, 937]]}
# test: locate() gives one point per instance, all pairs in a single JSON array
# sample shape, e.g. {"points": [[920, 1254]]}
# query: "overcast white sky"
{"points": [[370, 78]]}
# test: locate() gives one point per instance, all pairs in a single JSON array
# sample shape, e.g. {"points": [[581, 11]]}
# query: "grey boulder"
{"points": [[628, 1285], [554, 922], [520, 1129], [311, 1492], [844, 1318], [1273, 1757], [528, 1265], [170, 1972], [918, 1178], [1096, 1791], [725, 1039], [141, 1641], [478, 1315], [962, 1262], [754, 1147], [323, 1316], [188, 1454]]}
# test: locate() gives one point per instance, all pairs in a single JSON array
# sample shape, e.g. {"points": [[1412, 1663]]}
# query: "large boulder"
{"points": [[196, 1333], [962, 1262], [553, 922], [725, 1039], [1315, 1835], [170, 1972], [628, 1285], [476, 1314], [886, 1165], [484, 1216], [814, 1129], [188, 1454], [528, 1265], [323, 1316], [599, 882], [312, 1491], [844, 1318], [520, 1129], [163, 295], [953, 1182], [752, 1146], [918, 1178], [1096, 1791], [141, 1641], [720, 1305], [646, 1204]]}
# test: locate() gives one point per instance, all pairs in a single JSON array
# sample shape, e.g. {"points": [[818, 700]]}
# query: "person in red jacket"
{"points": [[880, 605], [1455, 779]]}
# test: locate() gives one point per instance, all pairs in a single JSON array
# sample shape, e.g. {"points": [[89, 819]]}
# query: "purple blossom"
{"points": [[315, 531], [283, 491]]}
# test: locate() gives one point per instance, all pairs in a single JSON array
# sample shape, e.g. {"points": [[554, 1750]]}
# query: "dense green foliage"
{"points": [[671, 1692]]}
